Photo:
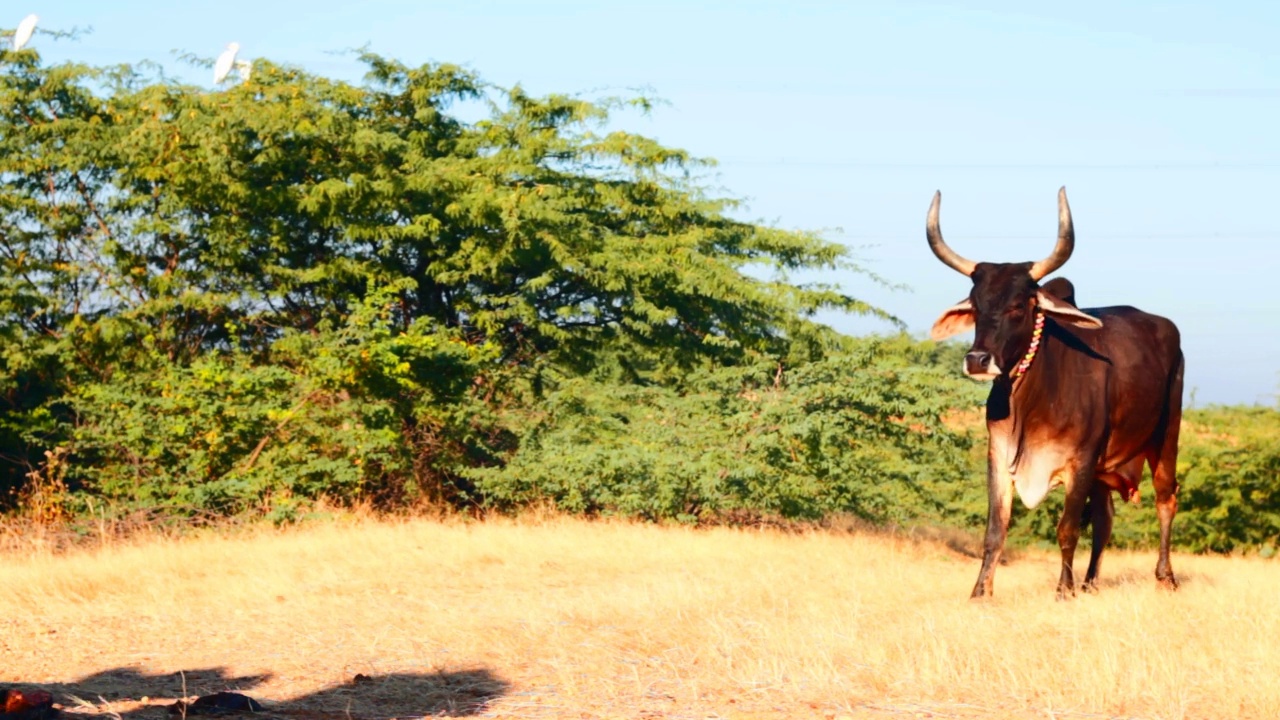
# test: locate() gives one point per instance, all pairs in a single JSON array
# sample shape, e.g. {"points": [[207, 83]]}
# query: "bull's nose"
{"points": [[977, 363]]}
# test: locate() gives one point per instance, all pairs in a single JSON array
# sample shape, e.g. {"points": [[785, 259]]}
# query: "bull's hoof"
{"points": [[1090, 587], [982, 589], [1168, 582], [1066, 593]]}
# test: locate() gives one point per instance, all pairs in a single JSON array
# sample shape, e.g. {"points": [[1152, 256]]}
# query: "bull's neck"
{"points": [[1025, 364]]}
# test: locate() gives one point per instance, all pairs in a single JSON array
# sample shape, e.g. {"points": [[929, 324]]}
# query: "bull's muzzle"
{"points": [[980, 365]]}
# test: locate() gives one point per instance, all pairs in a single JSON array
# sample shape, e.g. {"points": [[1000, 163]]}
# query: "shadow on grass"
{"points": [[1135, 578], [118, 694]]}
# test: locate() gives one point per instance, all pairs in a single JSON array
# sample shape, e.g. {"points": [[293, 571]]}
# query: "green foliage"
{"points": [[856, 433], [325, 414], [298, 287], [1230, 475]]}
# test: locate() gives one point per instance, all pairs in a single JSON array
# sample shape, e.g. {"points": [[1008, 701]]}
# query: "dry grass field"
{"points": [[560, 618]]}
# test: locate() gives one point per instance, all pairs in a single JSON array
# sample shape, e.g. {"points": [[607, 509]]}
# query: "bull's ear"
{"points": [[1061, 288], [957, 319], [1066, 313]]}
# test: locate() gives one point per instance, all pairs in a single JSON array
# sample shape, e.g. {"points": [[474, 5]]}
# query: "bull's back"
{"points": [[1143, 353]]}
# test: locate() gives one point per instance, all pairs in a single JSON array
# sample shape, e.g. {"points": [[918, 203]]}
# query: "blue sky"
{"points": [[1160, 118]]}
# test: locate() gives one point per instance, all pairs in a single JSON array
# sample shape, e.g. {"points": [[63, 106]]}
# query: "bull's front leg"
{"points": [[999, 509], [1069, 528]]}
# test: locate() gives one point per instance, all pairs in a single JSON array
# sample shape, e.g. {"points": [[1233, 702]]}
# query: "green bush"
{"points": [[1229, 470], [326, 414], [854, 433]]}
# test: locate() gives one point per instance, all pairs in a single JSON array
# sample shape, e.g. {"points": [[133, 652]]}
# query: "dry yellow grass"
{"points": [[563, 618]]}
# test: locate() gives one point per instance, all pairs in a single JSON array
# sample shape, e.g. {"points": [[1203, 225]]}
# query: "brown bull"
{"points": [[1079, 398]]}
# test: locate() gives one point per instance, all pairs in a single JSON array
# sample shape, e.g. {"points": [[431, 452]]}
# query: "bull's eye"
{"points": [[1015, 312]]}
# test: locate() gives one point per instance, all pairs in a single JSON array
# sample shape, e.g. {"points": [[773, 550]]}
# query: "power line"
{"points": [[1002, 93], [881, 165], [1262, 235]]}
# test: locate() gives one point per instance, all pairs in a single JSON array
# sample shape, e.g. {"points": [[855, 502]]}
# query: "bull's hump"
{"points": [[1131, 316]]}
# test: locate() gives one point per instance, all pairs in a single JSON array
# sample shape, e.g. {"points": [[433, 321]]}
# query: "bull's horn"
{"points": [[939, 247], [1066, 240]]}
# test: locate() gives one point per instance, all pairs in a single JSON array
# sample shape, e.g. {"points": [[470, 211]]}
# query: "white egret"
{"points": [[25, 30], [244, 67], [225, 61]]}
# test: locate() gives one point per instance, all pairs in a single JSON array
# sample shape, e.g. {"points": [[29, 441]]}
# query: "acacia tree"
{"points": [[324, 243]]}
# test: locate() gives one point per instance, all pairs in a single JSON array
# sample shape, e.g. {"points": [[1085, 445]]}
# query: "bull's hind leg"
{"points": [[1164, 474], [1101, 511]]}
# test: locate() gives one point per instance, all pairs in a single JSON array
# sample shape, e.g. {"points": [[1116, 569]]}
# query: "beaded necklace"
{"points": [[1021, 369]]}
